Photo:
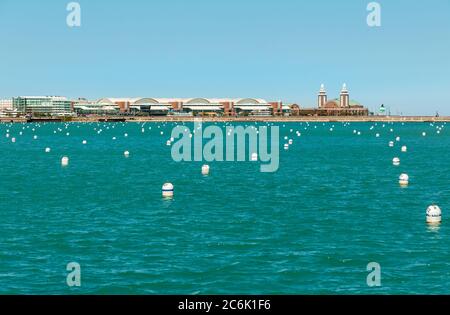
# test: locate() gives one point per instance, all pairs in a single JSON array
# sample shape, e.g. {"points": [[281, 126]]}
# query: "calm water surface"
{"points": [[311, 228]]}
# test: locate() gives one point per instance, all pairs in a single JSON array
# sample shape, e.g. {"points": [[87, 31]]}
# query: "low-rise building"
{"points": [[43, 105]]}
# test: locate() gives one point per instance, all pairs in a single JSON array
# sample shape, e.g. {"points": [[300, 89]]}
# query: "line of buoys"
{"points": [[403, 180], [167, 190], [434, 214], [205, 169], [65, 161]]}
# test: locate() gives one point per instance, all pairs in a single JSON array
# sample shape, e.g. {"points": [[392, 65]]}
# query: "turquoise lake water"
{"points": [[312, 227]]}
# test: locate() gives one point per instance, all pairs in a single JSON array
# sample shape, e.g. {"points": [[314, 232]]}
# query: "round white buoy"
{"points": [[47, 150], [65, 161], [13, 140], [167, 190], [396, 161], [403, 180], [404, 148], [391, 143], [84, 142], [290, 141], [397, 139], [424, 134], [254, 157], [286, 146], [35, 137], [125, 135], [434, 214], [126, 153], [377, 135], [168, 143], [205, 169], [114, 138]]}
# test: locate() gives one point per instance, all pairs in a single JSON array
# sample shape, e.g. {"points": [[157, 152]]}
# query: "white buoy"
{"points": [[47, 150], [391, 143], [286, 146], [65, 161], [424, 134], [167, 190], [205, 169], [377, 135], [125, 135], [35, 137], [434, 214], [254, 157], [396, 161], [168, 143], [84, 142], [403, 180], [290, 141], [404, 148], [13, 140], [114, 138], [126, 153], [397, 139]]}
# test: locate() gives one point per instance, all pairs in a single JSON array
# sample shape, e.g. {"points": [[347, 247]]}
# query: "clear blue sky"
{"points": [[277, 50]]}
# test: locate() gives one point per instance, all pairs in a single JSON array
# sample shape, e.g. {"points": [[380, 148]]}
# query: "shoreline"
{"points": [[230, 119]]}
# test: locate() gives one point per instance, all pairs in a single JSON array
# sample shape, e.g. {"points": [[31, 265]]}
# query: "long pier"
{"points": [[230, 119]]}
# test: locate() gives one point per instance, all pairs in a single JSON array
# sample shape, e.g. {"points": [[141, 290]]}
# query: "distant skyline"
{"points": [[276, 50]]}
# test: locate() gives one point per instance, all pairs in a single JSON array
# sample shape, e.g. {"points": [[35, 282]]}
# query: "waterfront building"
{"points": [[85, 107], [196, 106], [42, 105], [6, 108], [342, 106], [322, 98], [344, 98], [6, 105]]}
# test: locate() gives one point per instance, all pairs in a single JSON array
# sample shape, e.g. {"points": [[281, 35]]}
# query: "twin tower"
{"points": [[344, 100]]}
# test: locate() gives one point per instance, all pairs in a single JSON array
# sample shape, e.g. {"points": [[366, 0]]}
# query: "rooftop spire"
{"points": [[344, 88], [322, 88]]}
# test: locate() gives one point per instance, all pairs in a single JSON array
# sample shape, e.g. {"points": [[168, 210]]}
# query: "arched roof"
{"points": [[198, 101], [105, 101], [146, 100], [251, 101]]}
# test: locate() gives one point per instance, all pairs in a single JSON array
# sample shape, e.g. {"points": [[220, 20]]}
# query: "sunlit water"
{"points": [[334, 206]]}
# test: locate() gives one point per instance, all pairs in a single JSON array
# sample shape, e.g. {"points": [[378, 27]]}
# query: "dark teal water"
{"points": [[311, 228]]}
